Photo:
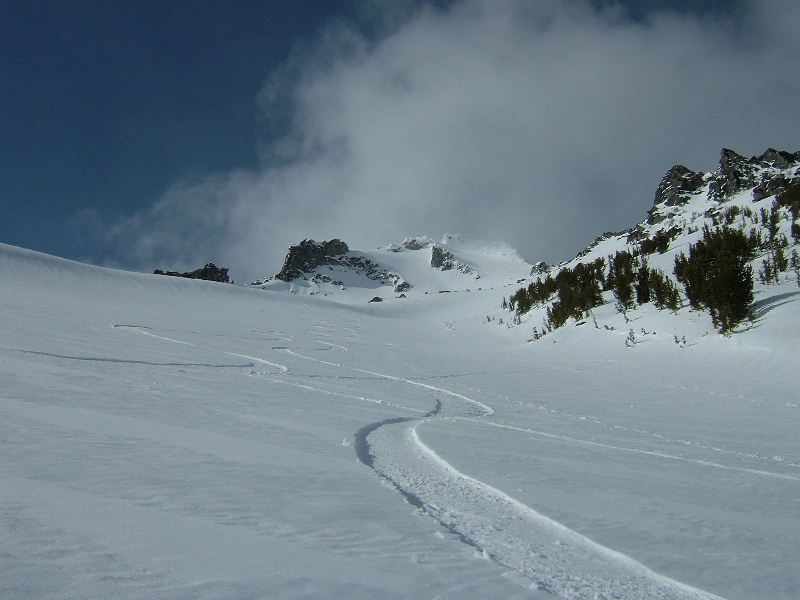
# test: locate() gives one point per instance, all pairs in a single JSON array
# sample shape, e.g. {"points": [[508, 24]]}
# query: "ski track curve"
{"points": [[553, 557], [141, 329]]}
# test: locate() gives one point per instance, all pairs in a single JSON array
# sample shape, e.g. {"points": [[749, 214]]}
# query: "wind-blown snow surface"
{"points": [[170, 438]]}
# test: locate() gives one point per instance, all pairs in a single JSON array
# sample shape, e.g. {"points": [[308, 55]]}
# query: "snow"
{"points": [[172, 438]]}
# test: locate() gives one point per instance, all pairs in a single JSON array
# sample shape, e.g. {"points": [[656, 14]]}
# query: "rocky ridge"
{"points": [[303, 262], [768, 174], [753, 202], [330, 267], [210, 272]]}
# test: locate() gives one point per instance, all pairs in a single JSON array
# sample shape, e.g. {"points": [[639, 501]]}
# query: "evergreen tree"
{"points": [[622, 277], [643, 283], [716, 275], [664, 293]]}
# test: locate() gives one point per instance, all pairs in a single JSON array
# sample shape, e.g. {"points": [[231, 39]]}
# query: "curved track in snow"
{"points": [[553, 557]]}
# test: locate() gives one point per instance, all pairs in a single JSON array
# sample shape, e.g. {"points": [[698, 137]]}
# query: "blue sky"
{"points": [[164, 134], [105, 104]]}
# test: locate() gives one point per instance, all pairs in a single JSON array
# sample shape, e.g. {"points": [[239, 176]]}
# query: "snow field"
{"points": [[181, 439]]}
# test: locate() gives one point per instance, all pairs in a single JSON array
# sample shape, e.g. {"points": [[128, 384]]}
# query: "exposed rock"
{"points": [[210, 272], [675, 188], [417, 243], [677, 185], [770, 186], [735, 173], [445, 260], [442, 259], [376, 299], [304, 260], [638, 233], [778, 159], [540, 268], [320, 278], [308, 255]]}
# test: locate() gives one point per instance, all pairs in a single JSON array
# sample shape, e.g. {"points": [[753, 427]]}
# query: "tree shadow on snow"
{"points": [[762, 307]]}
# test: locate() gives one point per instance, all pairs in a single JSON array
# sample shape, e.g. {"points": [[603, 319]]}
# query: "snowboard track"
{"points": [[549, 555], [582, 569]]}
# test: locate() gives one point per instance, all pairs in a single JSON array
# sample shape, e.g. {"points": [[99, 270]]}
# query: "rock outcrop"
{"points": [[677, 185], [444, 260], [308, 255], [770, 184], [210, 272], [539, 268], [304, 259], [766, 175], [737, 173]]}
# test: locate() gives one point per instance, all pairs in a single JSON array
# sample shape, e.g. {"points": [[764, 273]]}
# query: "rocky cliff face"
{"points": [[303, 261], [308, 255], [737, 173], [444, 260], [770, 173], [677, 185]]}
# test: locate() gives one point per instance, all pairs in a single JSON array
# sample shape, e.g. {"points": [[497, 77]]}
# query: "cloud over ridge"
{"points": [[535, 123]]}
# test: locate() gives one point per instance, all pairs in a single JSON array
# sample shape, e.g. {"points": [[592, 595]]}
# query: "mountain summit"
{"points": [[416, 266]]}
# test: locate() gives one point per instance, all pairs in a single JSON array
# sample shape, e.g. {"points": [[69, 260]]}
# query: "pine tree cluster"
{"points": [[578, 291], [716, 275], [574, 292], [620, 279], [659, 242]]}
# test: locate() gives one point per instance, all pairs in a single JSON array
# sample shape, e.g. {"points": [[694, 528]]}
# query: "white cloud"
{"points": [[536, 123]]}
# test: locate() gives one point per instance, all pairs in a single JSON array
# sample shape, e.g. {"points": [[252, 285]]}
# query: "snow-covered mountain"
{"points": [[758, 197], [416, 267], [174, 438]]}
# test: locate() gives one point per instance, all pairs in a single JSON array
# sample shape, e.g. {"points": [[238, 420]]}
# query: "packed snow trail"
{"points": [[553, 557]]}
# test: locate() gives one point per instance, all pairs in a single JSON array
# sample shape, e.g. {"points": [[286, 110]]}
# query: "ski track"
{"points": [[281, 368], [126, 361], [553, 557], [575, 440], [561, 414]]}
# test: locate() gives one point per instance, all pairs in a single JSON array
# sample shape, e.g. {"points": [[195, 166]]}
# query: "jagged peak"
{"points": [[677, 185], [684, 193]]}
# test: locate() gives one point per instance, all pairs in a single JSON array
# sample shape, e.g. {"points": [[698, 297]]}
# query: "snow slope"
{"points": [[173, 438]]}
